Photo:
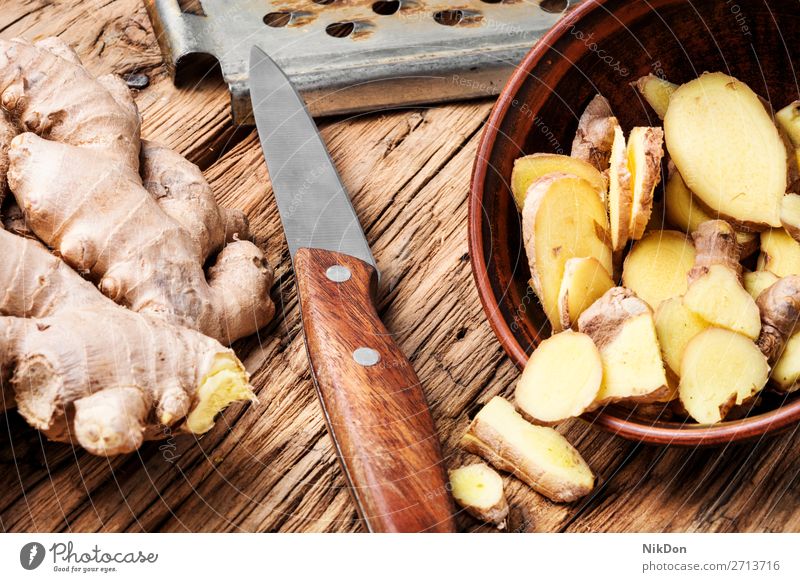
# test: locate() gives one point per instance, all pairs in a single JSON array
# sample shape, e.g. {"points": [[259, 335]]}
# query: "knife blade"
{"points": [[372, 401]]}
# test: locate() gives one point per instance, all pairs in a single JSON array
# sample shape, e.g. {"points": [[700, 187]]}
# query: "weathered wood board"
{"points": [[270, 466]]}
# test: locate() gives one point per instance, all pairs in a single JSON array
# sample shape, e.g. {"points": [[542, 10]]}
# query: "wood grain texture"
{"points": [[271, 466], [375, 409]]}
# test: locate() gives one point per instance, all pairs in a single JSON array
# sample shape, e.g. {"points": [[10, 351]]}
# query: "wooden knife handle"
{"points": [[373, 402]]}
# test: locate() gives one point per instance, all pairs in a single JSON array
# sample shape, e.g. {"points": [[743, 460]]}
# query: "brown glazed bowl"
{"points": [[601, 46]]}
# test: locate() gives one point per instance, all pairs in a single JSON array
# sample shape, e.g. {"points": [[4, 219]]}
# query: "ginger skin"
{"points": [[79, 159], [595, 134], [779, 305]]}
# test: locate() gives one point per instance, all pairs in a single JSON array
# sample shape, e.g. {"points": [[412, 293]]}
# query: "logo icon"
{"points": [[31, 555]]}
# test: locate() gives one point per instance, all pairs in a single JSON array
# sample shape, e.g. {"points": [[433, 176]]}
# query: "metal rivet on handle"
{"points": [[338, 273], [366, 356]]}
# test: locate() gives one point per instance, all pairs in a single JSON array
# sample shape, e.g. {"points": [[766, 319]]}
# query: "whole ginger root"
{"points": [[82, 369], [140, 232]]}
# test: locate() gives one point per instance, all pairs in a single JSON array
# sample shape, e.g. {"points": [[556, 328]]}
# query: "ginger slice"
{"points": [[780, 253], [585, 280], [563, 217], [657, 266], [676, 326], [479, 489], [728, 150], [561, 379], [720, 369], [755, 282], [656, 91], [528, 169], [644, 152], [538, 455], [623, 329], [786, 372], [719, 298], [790, 215], [595, 136], [684, 213], [620, 194], [789, 119]]}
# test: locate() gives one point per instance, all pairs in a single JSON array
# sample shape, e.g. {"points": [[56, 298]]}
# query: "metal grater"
{"points": [[347, 56]]}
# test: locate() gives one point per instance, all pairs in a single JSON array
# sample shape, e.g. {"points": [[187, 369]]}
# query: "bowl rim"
{"points": [[725, 432]]}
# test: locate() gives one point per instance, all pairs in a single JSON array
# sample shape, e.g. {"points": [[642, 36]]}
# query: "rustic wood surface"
{"points": [[270, 466]]}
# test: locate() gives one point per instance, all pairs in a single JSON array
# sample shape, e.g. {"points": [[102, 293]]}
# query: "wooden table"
{"points": [[270, 466]]}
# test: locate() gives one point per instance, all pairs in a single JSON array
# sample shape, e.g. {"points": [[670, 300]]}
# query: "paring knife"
{"points": [[371, 397]]}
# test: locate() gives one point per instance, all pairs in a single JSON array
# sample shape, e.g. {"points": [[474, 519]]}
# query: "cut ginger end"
{"points": [[528, 169], [479, 489], [780, 253], [719, 298], [676, 326], [720, 369], [227, 382], [561, 379], [562, 218], [657, 266], [644, 151], [585, 280], [538, 455]]}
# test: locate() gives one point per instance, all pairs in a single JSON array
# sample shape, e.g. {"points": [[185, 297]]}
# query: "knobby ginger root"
{"points": [[656, 91], [86, 370], [528, 169], [82, 194], [563, 217], [595, 134], [585, 280], [561, 379], [682, 212], [720, 369], [538, 455], [657, 266], [727, 149], [644, 152], [676, 326], [779, 305], [780, 253], [479, 489], [755, 282], [622, 327], [620, 193]]}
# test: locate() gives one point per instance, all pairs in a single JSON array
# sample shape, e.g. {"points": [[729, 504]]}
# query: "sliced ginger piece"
{"points": [[676, 326], [622, 327], [780, 253], [790, 215], [755, 282], [479, 489], [528, 169], [562, 218], [719, 298], [620, 194], [720, 369], [789, 119], [656, 91], [644, 152], [728, 150], [585, 280], [561, 379], [684, 213], [595, 134], [656, 267], [538, 455], [786, 372]]}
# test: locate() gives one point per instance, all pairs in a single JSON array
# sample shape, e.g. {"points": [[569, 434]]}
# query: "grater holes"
{"points": [[277, 19], [554, 6], [386, 7], [448, 17], [340, 29]]}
